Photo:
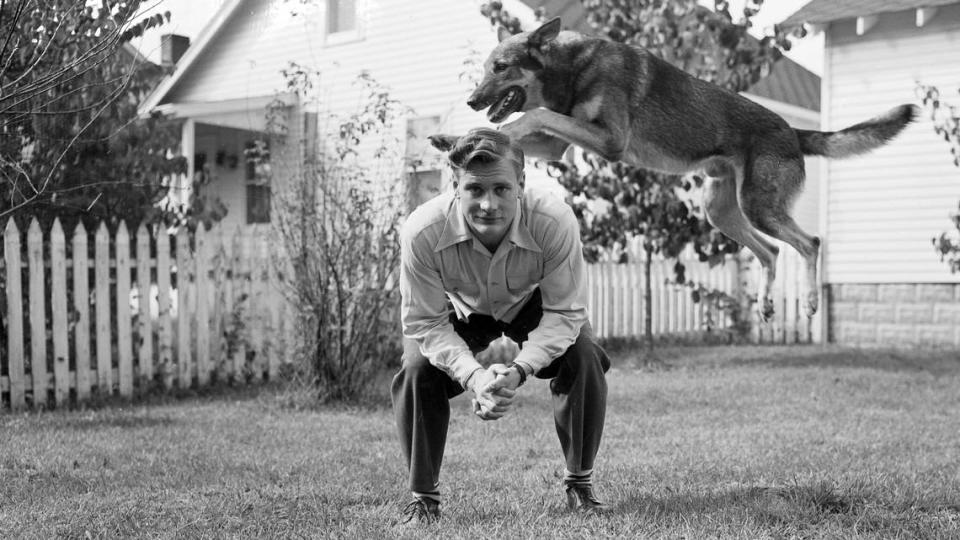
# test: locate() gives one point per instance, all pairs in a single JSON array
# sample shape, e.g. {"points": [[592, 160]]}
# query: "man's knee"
{"points": [[587, 353], [414, 364]]}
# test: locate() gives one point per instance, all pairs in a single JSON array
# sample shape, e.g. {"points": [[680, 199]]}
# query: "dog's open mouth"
{"points": [[510, 102]]}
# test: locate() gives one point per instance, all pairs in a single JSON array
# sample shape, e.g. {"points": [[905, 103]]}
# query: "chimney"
{"points": [[172, 47]]}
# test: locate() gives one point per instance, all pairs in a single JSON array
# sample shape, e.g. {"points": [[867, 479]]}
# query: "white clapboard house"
{"points": [[883, 281]]}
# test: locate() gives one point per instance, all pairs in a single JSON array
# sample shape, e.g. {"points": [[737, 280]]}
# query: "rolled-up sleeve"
{"points": [[564, 296], [424, 313]]}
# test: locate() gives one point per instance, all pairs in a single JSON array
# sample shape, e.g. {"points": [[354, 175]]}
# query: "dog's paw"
{"points": [[813, 302]]}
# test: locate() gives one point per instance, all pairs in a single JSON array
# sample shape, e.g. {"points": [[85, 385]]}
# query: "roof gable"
{"points": [[193, 52]]}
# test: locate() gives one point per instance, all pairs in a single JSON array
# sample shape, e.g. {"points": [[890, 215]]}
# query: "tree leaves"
{"points": [[71, 144]]}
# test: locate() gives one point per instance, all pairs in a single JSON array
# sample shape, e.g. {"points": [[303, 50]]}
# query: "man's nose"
{"points": [[488, 203]]}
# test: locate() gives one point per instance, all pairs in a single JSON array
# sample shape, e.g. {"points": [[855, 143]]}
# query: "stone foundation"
{"points": [[895, 314]]}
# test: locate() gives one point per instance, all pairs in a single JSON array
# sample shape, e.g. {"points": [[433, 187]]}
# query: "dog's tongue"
{"points": [[503, 107]]}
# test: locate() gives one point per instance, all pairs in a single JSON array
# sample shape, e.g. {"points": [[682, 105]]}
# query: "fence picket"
{"points": [[144, 315], [240, 304], [101, 270], [164, 312], [228, 372], [202, 311], [184, 363], [38, 310], [269, 278], [58, 306], [124, 328], [215, 253], [15, 367], [81, 311]]}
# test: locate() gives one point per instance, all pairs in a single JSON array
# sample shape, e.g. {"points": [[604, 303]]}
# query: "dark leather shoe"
{"points": [[420, 512], [582, 498]]}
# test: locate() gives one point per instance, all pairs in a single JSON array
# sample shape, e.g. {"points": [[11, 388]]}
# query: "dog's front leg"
{"points": [[604, 138], [543, 146]]}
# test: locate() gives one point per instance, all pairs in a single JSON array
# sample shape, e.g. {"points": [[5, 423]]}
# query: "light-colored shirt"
{"points": [[441, 260]]}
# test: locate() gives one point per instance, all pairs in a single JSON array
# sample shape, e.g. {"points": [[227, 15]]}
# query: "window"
{"points": [[257, 166], [423, 162], [341, 16]]}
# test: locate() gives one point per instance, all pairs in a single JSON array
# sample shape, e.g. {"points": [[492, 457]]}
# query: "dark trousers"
{"points": [[421, 394]]}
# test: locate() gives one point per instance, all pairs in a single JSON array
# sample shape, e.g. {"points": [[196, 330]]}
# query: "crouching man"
{"points": [[493, 258]]}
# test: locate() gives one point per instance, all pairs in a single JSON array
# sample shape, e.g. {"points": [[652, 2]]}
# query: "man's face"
{"points": [[488, 199]]}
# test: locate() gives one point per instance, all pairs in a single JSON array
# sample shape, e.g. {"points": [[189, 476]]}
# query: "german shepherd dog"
{"points": [[625, 104]]}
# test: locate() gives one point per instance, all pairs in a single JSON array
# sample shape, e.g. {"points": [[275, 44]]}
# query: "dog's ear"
{"points": [[545, 33], [443, 142], [503, 33]]}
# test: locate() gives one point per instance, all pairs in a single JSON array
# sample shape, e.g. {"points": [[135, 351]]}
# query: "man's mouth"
{"points": [[486, 219], [510, 102]]}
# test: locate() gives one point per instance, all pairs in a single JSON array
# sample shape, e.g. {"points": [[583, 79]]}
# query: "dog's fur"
{"points": [[623, 103]]}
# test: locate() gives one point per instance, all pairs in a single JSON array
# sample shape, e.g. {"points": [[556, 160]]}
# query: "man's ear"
{"points": [[547, 32], [443, 142], [503, 33]]}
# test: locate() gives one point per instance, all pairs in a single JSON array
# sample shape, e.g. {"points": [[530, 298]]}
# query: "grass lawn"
{"points": [[732, 442]]}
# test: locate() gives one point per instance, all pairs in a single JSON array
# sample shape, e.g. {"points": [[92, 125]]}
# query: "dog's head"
{"points": [[510, 75]]}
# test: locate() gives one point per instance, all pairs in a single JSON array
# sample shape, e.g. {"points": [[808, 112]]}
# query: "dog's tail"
{"points": [[860, 138]]}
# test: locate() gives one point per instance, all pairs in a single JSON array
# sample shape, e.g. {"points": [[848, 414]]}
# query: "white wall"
{"points": [[883, 208]]}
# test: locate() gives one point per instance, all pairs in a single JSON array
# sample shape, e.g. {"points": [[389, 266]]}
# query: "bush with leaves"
{"points": [[946, 123], [338, 218]]}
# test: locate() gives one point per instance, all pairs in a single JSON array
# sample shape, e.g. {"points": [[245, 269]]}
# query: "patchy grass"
{"points": [[739, 442]]}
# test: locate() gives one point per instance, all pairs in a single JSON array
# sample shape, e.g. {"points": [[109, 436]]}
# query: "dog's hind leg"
{"points": [[723, 212], [770, 185]]}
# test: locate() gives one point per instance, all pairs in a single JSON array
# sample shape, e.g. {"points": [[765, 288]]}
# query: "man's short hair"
{"points": [[485, 145]]}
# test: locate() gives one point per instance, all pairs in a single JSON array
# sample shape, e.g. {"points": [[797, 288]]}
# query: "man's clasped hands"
{"points": [[494, 389]]}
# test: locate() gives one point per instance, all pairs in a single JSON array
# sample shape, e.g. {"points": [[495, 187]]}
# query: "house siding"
{"points": [[883, 208]]}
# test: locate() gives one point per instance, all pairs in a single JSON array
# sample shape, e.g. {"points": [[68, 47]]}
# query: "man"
{"points": [[493, 258]]}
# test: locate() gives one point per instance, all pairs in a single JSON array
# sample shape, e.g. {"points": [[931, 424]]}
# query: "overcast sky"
{"points": [[188, 17]]}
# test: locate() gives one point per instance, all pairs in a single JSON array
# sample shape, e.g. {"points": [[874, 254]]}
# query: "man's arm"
{"points": [[424, 313], [564, 296]]}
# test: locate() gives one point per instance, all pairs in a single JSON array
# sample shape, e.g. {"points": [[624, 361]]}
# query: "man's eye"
{"points": [[499, 67], [502, 191]]}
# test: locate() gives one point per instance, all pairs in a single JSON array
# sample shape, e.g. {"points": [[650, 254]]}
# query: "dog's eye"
{"points": [[499, 67]]}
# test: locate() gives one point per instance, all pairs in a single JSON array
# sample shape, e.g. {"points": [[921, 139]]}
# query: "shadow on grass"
{"points": [[780, 503], [803, 506], [933, 361], [930, 361]]}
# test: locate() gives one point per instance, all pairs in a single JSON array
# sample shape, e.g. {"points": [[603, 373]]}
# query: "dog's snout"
{"points": [[475, 102]]}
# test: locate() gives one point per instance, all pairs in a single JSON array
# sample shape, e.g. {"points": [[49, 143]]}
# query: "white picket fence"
{"points": [[617, 309], [159, 311], [170, 315]]}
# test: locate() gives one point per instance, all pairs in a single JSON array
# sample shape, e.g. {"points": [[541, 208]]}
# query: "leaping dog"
{"points": [[624, 104]]}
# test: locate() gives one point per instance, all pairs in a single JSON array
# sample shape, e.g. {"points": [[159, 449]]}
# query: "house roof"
{"points": [[788, 81], [824, 11], [206, 35]]}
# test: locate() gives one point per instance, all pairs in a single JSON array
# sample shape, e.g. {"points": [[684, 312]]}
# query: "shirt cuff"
{"points": [[463, 367], [534, 357]]}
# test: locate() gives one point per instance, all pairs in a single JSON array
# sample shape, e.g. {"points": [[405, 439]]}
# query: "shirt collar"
{"points": [[455, 229]]}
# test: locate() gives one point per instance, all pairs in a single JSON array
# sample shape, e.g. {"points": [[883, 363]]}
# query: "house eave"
{"points": [[156, 97]]}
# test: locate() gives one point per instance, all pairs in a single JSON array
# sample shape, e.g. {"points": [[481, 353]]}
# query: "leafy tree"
{"points": [[71, 145], [658, 208], [946, 123]]}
